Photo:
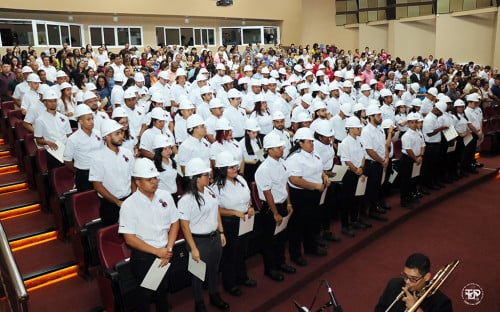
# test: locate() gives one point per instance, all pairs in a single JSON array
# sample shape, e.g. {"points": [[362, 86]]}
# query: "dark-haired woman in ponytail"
{"points": [[165, 164], [252, 149]]}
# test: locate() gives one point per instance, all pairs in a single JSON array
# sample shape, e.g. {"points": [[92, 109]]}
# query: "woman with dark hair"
{"points": [[234, 205], [109, 75], [262, 115], [461, 124], [79, 80], [155, 127], [224, 141], [80, 68], [66, 104], [165, 164], [103, 90], [251, 145], [203, 231], [129, 141]]}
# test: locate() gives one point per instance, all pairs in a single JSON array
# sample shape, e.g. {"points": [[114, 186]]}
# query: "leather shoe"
{"points": [[300, 261], [365, 223], [425, 191], [275, 275], [329, 236], [318, 251], [478, 165], [379, 209], [320, 242], [348, 232], [385, 206], [249, 283], [235, 291], [217, 301], [377, 216], [357, 226], [287, 268], [200, 307]]}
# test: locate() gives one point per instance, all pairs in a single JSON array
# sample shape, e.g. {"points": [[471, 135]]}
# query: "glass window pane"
{"points": [[54, 36], [95, 36], [469, 4], [425, 9], [109, 36], [352, 19], [210, 37], [372, 3], [76, 36], [363, 17], [135, 36], [381, 15], [413, 11], [197, 36], [372, 16], [42, 36], [172, 35], [363, 4], [160, 36], [341, 6], [64, 33], [16, 33], [187, 36], [251, 35], [340, 20], [271, 35], [231, 36], [483, 3], [122, 34], [352, 5]]}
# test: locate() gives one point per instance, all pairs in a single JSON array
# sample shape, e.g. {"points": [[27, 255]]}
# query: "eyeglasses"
{"points": [[412, 279], [205, 174]]}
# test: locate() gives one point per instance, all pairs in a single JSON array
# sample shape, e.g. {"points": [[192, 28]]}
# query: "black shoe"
{"points": [[318, 251], [377, 216], [217, 301], [425, 191], [235, 291], [329, 236], [287, 268], [200, 307], [300, 261], [275, 275], [406, 204], [478, 165], [414, 199], [379, 209], [249, 283], [385, 206], [440, 185], [321, 242], [365, 223], [432, 187], [357, 225], [348, 232]]}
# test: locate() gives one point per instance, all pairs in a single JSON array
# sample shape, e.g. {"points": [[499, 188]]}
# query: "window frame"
{"points": [[115, 28], [196, 42], [261, 27]]}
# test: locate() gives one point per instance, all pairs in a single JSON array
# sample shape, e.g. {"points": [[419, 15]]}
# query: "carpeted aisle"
{"points": [[464, 227]]}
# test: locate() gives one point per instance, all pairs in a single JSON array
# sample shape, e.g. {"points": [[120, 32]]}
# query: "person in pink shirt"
{"points": [[368, 74]]}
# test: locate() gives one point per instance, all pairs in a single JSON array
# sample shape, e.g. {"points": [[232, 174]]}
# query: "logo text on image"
{"points": [[472, 294]]}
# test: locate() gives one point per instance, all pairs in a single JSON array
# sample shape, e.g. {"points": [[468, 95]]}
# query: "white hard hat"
{"points": [[278, 115], [197, 166], [298, 68], [320, 73], [416, 102], [220, 66], [347, 84], [33, 78], [415, 86], [164, 75], [233, 93], [223, 124], [353, 122], [158, 113], [89, 86], [119, 112], [194, 121], [42, 88], [303, 117], [357, 79], [161, 141], [441, 106], [201, 77], [119, 77], [291, 91], [365, 87], [255, 83], [373, 110], [26, 70], [264, 81], [459, 103], [274, 74], [265, 70], [129, 94], [242, 80], [65, 85], [307, 98], [387, 123], [50, 95], [82, 109], [89, 95], [226, 79], [373, 81], [432, 91], [346, 108], [358, 107], [273, 140], [180, 72], [473, 97], [203, 71], [225, 159], [412, 116], [185, 103], [339, 74], [385, 92], [317, 105], [399, 87], [324, 89], [144, 168], [139, 77], [247, 68], [252, 125], [215, 103], [282, 71], [205, 90], [109, 126], [303, 134], [61, 73], [400, 103], [157, 97], [323, 128]]}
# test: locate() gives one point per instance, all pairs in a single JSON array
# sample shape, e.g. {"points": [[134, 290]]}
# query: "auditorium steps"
{"points": [[45, 263]]}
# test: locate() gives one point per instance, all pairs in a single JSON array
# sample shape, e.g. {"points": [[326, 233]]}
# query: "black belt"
{"points": [[211, 234], [432, 143]]}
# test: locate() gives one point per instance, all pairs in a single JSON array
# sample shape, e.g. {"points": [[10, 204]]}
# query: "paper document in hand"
{"points": [[416, 170], [260, 155], [58, 153], [282, 226], [452, 148], [155, 275], [450, 133], [361, 187], [246, 225], [198, 269], [323, 196], [339, 173], [383, 177], [467, 139], [393, 176]]}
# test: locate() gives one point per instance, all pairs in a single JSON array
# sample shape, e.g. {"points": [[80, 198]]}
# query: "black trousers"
{"points": [[460, 155], [82, 180], [233, 266], [430, 163], [210, 249], [140, 263], [408, 184], [249, 173], [374, 171], [109, 212], [304, 224], [273, 246], [351, 204], [470, 151], [327, 210]]}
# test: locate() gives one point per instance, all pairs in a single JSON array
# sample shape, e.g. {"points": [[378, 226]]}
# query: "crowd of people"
{"points": [[173, 140]]}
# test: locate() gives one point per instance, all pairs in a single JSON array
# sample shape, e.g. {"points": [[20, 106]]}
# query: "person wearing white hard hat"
{"points": [[283, 103], [461, 124], [224, 141], [90, 99], [447, 155], [185, 110], [319, 112], [338, 123], [359, 111], [111, 172], [22, 87], [195, 89], [227, 84], [352, 155], [475, 117], [333, 102], [271, 181], [323, 146], [203, 105], [348, 96], [249, 99], [178, 89], [377, 161], [306, 181], [416, 105], [216, 80], [163, 87], [400, 117], [411, 93], [155, 127], [81, 147], [413, 149], [203, 231], [129, 141], [139, 82], [216, 112], [251, 146], [364, 97], [235, 205], [134, 112], [195, 145], [262, 115], [163, 148], [31, 97], [117, 91], [279, 128], [235, 114], [66, 104], [150, 224], [429, 101], [304, 106], [432, 136]]}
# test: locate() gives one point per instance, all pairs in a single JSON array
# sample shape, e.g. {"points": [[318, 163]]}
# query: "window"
{"points": [[185, 36], [250, 34], [231, 36], [271, 35], [16, 33], [115, 35]]}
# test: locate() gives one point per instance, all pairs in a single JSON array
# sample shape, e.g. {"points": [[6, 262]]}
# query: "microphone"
{"points": [[336, 307], [299, 307]]}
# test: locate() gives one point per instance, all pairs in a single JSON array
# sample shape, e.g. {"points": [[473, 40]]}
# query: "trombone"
{"points": [[431, 287]]}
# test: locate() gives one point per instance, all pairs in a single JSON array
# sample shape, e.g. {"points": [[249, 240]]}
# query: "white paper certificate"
{"points": [[467, 139], [282, 226], [416, 170], [361, 187], [246, 225], [339, 173], [58, 153], [450, 133], [155, 275], [198, 269]]}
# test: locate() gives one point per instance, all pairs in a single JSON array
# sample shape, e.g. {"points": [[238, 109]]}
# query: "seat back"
{"points": [[7, 106], [41, 161], [111, 246], [257, 203], [398, 147], [62, 180], [85, 207]]}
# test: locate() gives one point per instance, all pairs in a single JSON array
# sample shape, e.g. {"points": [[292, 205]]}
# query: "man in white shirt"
{"points": [[101, 57], [432, 136], [50, 70]]}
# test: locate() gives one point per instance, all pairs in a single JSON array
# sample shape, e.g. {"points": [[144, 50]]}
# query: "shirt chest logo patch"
{"points": [[163, 203], [126, 158]]}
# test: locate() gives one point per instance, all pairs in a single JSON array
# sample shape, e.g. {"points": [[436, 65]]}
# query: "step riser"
{"points": [[21, 211], [9, 169], [51, 278], [31, 241], [13, 188]]}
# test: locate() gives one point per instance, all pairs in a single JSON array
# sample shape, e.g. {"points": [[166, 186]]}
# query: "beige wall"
{"points": [[413, 38], [373, 36]]}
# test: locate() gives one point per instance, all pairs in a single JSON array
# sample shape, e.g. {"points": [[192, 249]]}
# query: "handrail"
{"points": [[12, 282]]}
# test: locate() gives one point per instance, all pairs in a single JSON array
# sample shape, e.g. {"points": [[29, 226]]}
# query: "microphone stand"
{"points": [[331, 302]]}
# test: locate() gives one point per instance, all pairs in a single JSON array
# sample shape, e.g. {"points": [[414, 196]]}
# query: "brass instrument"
{"points": [[431, 287]]}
